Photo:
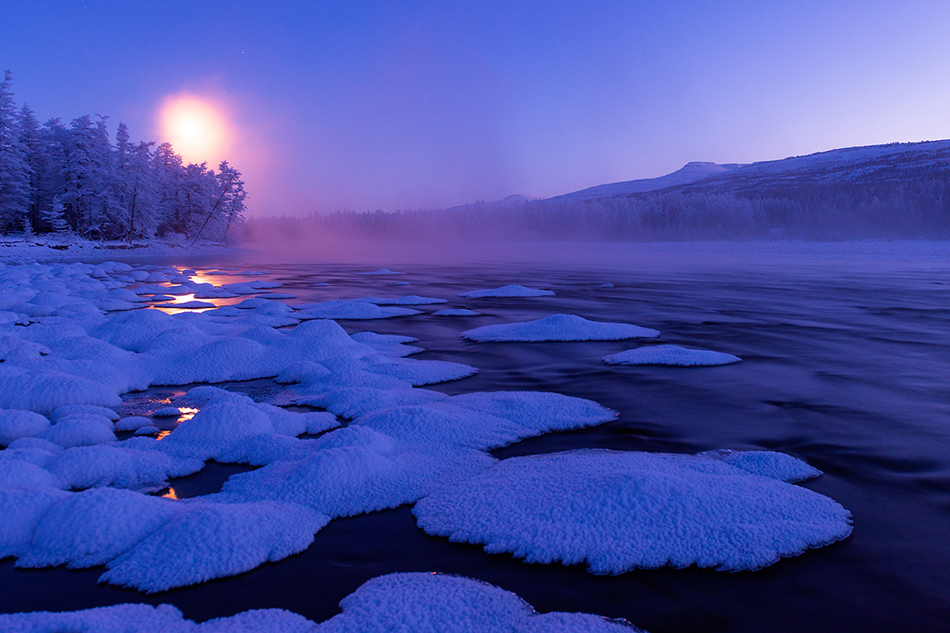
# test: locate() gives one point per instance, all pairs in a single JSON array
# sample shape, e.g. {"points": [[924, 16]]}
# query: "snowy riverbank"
{"points": [[24, 249]]}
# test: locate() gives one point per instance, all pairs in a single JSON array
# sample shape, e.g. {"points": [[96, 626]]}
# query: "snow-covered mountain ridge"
{"points": [[872, 163]]}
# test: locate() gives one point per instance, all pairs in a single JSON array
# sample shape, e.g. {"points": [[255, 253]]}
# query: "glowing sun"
{"points": [[195, 127]]}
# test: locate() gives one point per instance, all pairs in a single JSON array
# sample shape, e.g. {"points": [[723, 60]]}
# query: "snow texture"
{"points": [[15, 424], [766, 463], [210, 540], [671, 355], [132, 423], [396, 603], [439, 603], [558, 327], [507, 291], [617, 511]]}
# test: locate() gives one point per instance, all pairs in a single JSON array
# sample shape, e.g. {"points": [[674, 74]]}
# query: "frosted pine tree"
{"points": [[14, 170]]}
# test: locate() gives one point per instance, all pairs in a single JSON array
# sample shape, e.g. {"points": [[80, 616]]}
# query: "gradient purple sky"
{"points": [[366, 105]]}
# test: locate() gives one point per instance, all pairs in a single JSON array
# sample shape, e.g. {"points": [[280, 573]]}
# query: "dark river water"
{"points": [[846, 365]]}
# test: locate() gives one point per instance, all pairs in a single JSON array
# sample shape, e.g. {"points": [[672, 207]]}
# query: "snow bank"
{"points": [[44, 391], [416, 602], [617, 511], [15, 424], [672, 355], [91, 528], [507, 291], [356, 470], [396, 603], [118, 466], [211, 540], [558, 327]]}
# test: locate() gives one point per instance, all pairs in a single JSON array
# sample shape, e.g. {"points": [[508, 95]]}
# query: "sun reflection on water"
{"points": [[170, 494]]}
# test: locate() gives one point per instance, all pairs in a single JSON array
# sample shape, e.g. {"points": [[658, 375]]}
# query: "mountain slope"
{"points": [[690, 173]]}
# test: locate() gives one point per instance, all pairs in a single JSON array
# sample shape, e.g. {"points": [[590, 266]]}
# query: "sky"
{"points": [[370, 105]]}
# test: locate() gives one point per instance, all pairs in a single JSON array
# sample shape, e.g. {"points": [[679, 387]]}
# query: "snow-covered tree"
{"points": [[14, 169]]}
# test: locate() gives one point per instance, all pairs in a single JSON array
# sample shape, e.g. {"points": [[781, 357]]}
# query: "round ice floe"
{"points": [[408, 300], [456, 312], [617, 511], [350, 310], [148, 430], [44, 391], [186, 305], [15, 349], [132, 423], [81, 430], [277, 295], [137, 331], [381, 271], [167, 412], [672, 355], [420, 372], [74, 409], [507, 291], [766, 463], [352, 402], [211, 540], [356, 470], [93, 527], [15, 423], [121, 618], [415, 602], [224, 420], [486, 420], [117, 466], [302, 371], [21, 511], [558, 327], [16, 473]]}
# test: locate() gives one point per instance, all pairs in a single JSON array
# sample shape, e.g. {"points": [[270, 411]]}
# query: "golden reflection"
{"points": [[162, 435], [170, 309], [170, 494], [186, 414]]}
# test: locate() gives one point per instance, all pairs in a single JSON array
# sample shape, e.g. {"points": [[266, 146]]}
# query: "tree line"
{"points": [[71, 179], [915, 205]]}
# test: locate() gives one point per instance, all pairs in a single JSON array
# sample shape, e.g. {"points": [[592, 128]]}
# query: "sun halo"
{"points": [[195, 127]]}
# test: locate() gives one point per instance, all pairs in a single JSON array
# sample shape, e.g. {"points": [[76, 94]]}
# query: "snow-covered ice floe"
{"points": [[456, 312], [408, 300], [72, 493], [350, 309], [507, 291], [558, 327], [396, 603], [381, 271], [671, 355], [618, 511]]}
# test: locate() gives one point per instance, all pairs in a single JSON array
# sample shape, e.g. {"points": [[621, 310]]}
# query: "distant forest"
{"points": [[70, 179], [902, 203]]}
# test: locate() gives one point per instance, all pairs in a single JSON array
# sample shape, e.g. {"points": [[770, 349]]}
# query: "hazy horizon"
{"points": [[335, 106]]}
